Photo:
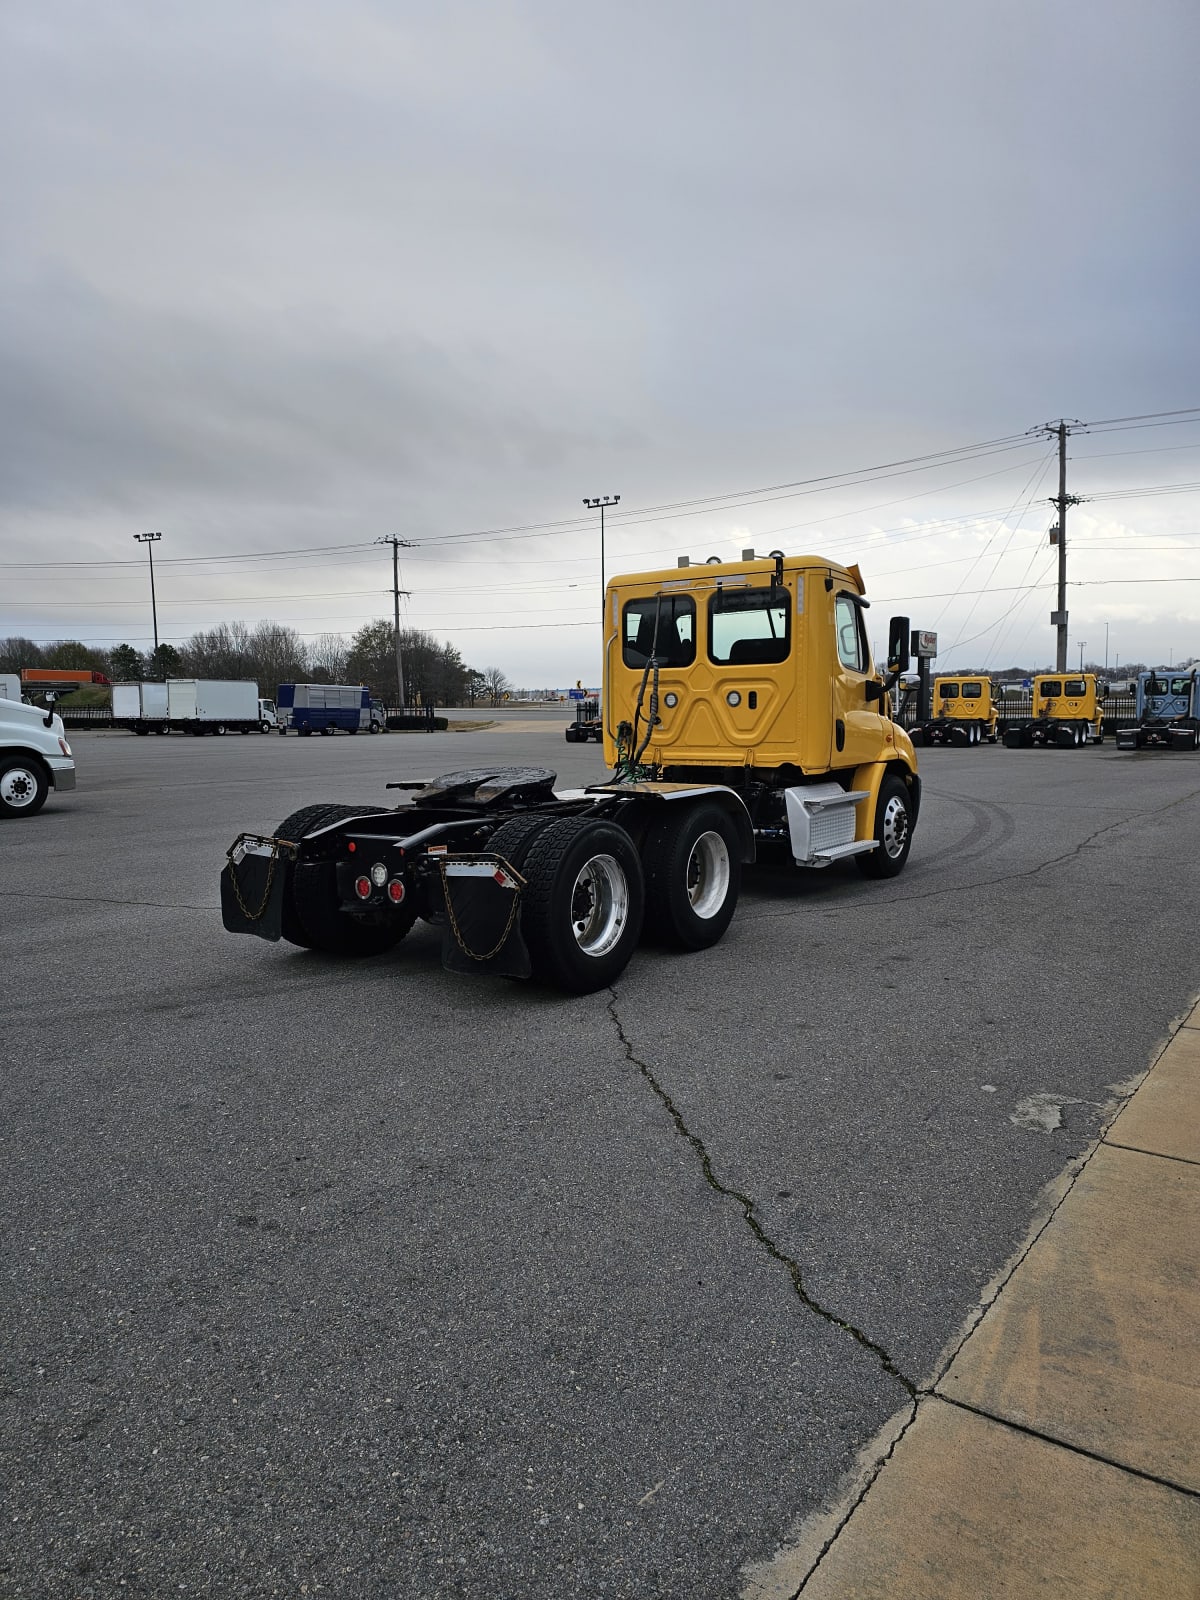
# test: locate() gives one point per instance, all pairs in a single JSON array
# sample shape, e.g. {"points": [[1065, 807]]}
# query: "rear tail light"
{"points": [[396, 891], [362, 888]]}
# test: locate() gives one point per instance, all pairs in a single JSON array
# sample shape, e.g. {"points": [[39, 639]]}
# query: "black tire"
{"points": [[327, 729], [571, 736], [23, 786], [141, 731], [514, 838], [376, 727], [693, 871], [582, 908], [312, 916], [893, 831], [917, 736], [220, 728], [264, 726]]}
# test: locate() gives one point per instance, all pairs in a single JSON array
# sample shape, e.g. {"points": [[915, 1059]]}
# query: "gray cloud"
{"points": [[300, 268]]}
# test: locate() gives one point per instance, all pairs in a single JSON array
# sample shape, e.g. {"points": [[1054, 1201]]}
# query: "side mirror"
{"points": [[898, 638]]}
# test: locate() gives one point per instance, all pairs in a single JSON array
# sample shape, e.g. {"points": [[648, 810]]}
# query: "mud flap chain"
{"points": [[459, 939], [279, 848]]}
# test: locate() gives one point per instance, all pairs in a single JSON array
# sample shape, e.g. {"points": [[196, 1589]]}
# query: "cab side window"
{"points": [[1075, 687], [972, 691], [851, 640], [947, 691]]}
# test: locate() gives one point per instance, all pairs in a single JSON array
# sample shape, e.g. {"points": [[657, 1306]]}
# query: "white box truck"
{"points": [[214, 705], [141, 707]]}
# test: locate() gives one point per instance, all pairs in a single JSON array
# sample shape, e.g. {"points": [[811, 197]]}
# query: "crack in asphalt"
{"points": [[761, 1235]]}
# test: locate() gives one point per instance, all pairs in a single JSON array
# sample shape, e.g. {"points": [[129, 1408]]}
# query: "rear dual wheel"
{"points": [[583, 902], [693, 870]]}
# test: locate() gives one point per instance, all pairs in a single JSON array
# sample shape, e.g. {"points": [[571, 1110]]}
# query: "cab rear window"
{"points": [[749, 627], [660, 625]]}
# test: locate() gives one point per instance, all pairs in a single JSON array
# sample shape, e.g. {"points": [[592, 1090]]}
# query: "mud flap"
{"points": [[482, 932], [252, 885]]}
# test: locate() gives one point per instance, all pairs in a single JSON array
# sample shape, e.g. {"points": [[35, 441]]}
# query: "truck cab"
{"points": [[1068, 711], [964, 713], [34, 756], [1168, 711], [757, 674]]}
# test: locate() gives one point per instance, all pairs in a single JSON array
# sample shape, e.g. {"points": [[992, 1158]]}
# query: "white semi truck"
{"points": [[34, 754]]}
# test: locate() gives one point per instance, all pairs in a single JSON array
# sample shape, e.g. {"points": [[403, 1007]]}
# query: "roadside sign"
{"points": [[577, 694]]}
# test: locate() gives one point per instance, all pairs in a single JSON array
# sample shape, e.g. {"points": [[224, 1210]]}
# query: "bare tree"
{"points": [[496, 684], [327, 658]]}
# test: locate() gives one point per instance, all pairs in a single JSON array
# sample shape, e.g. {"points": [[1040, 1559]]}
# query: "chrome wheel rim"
{"points": [[599, 905], [895, 826], [708, 874], [18, 788]]}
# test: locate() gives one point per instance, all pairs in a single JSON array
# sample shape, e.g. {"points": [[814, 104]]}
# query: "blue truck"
{"points": [[328, 708], [1168, 711]]}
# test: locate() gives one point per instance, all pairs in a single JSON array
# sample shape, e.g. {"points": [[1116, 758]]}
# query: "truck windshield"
{"points": [[749, 627], [664, 625]]}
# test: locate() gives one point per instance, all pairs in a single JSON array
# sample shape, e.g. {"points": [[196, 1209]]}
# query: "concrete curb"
{"points": [[1059, 1453]]}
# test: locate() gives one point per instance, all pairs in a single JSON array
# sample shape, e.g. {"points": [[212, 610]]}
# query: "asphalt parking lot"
{"points": [[374, 1280]]}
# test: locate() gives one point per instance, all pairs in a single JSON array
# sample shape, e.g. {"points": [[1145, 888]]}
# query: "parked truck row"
{"points": [[223, 705]]}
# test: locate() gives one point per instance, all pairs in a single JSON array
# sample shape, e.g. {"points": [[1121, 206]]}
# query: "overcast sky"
{"points": [[295, 276]]}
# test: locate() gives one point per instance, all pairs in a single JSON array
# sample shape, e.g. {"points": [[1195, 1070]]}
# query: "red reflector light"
{"points": [[396, 891], [351, 846], [362, 888]]}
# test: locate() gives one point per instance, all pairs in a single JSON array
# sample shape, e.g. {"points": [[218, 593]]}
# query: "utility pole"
{"points": [[148, 539], [1058, 535], [602, 501], [396, 543]]}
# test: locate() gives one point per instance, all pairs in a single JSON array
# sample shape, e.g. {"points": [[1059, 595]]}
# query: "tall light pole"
{"points": [[149, 539], [1106, 647], [395, 544], [602, 501], [1082, 642]]}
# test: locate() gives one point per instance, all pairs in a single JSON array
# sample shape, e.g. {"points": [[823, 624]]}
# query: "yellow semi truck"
{"points": [[964, 713], [740, 707], [1067, 711]]}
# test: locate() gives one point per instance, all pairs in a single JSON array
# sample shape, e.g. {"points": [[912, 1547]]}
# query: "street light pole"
{"points": [[1082, 642], [602, 501], [1106, 647], [395, 544], [149, 539]]}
